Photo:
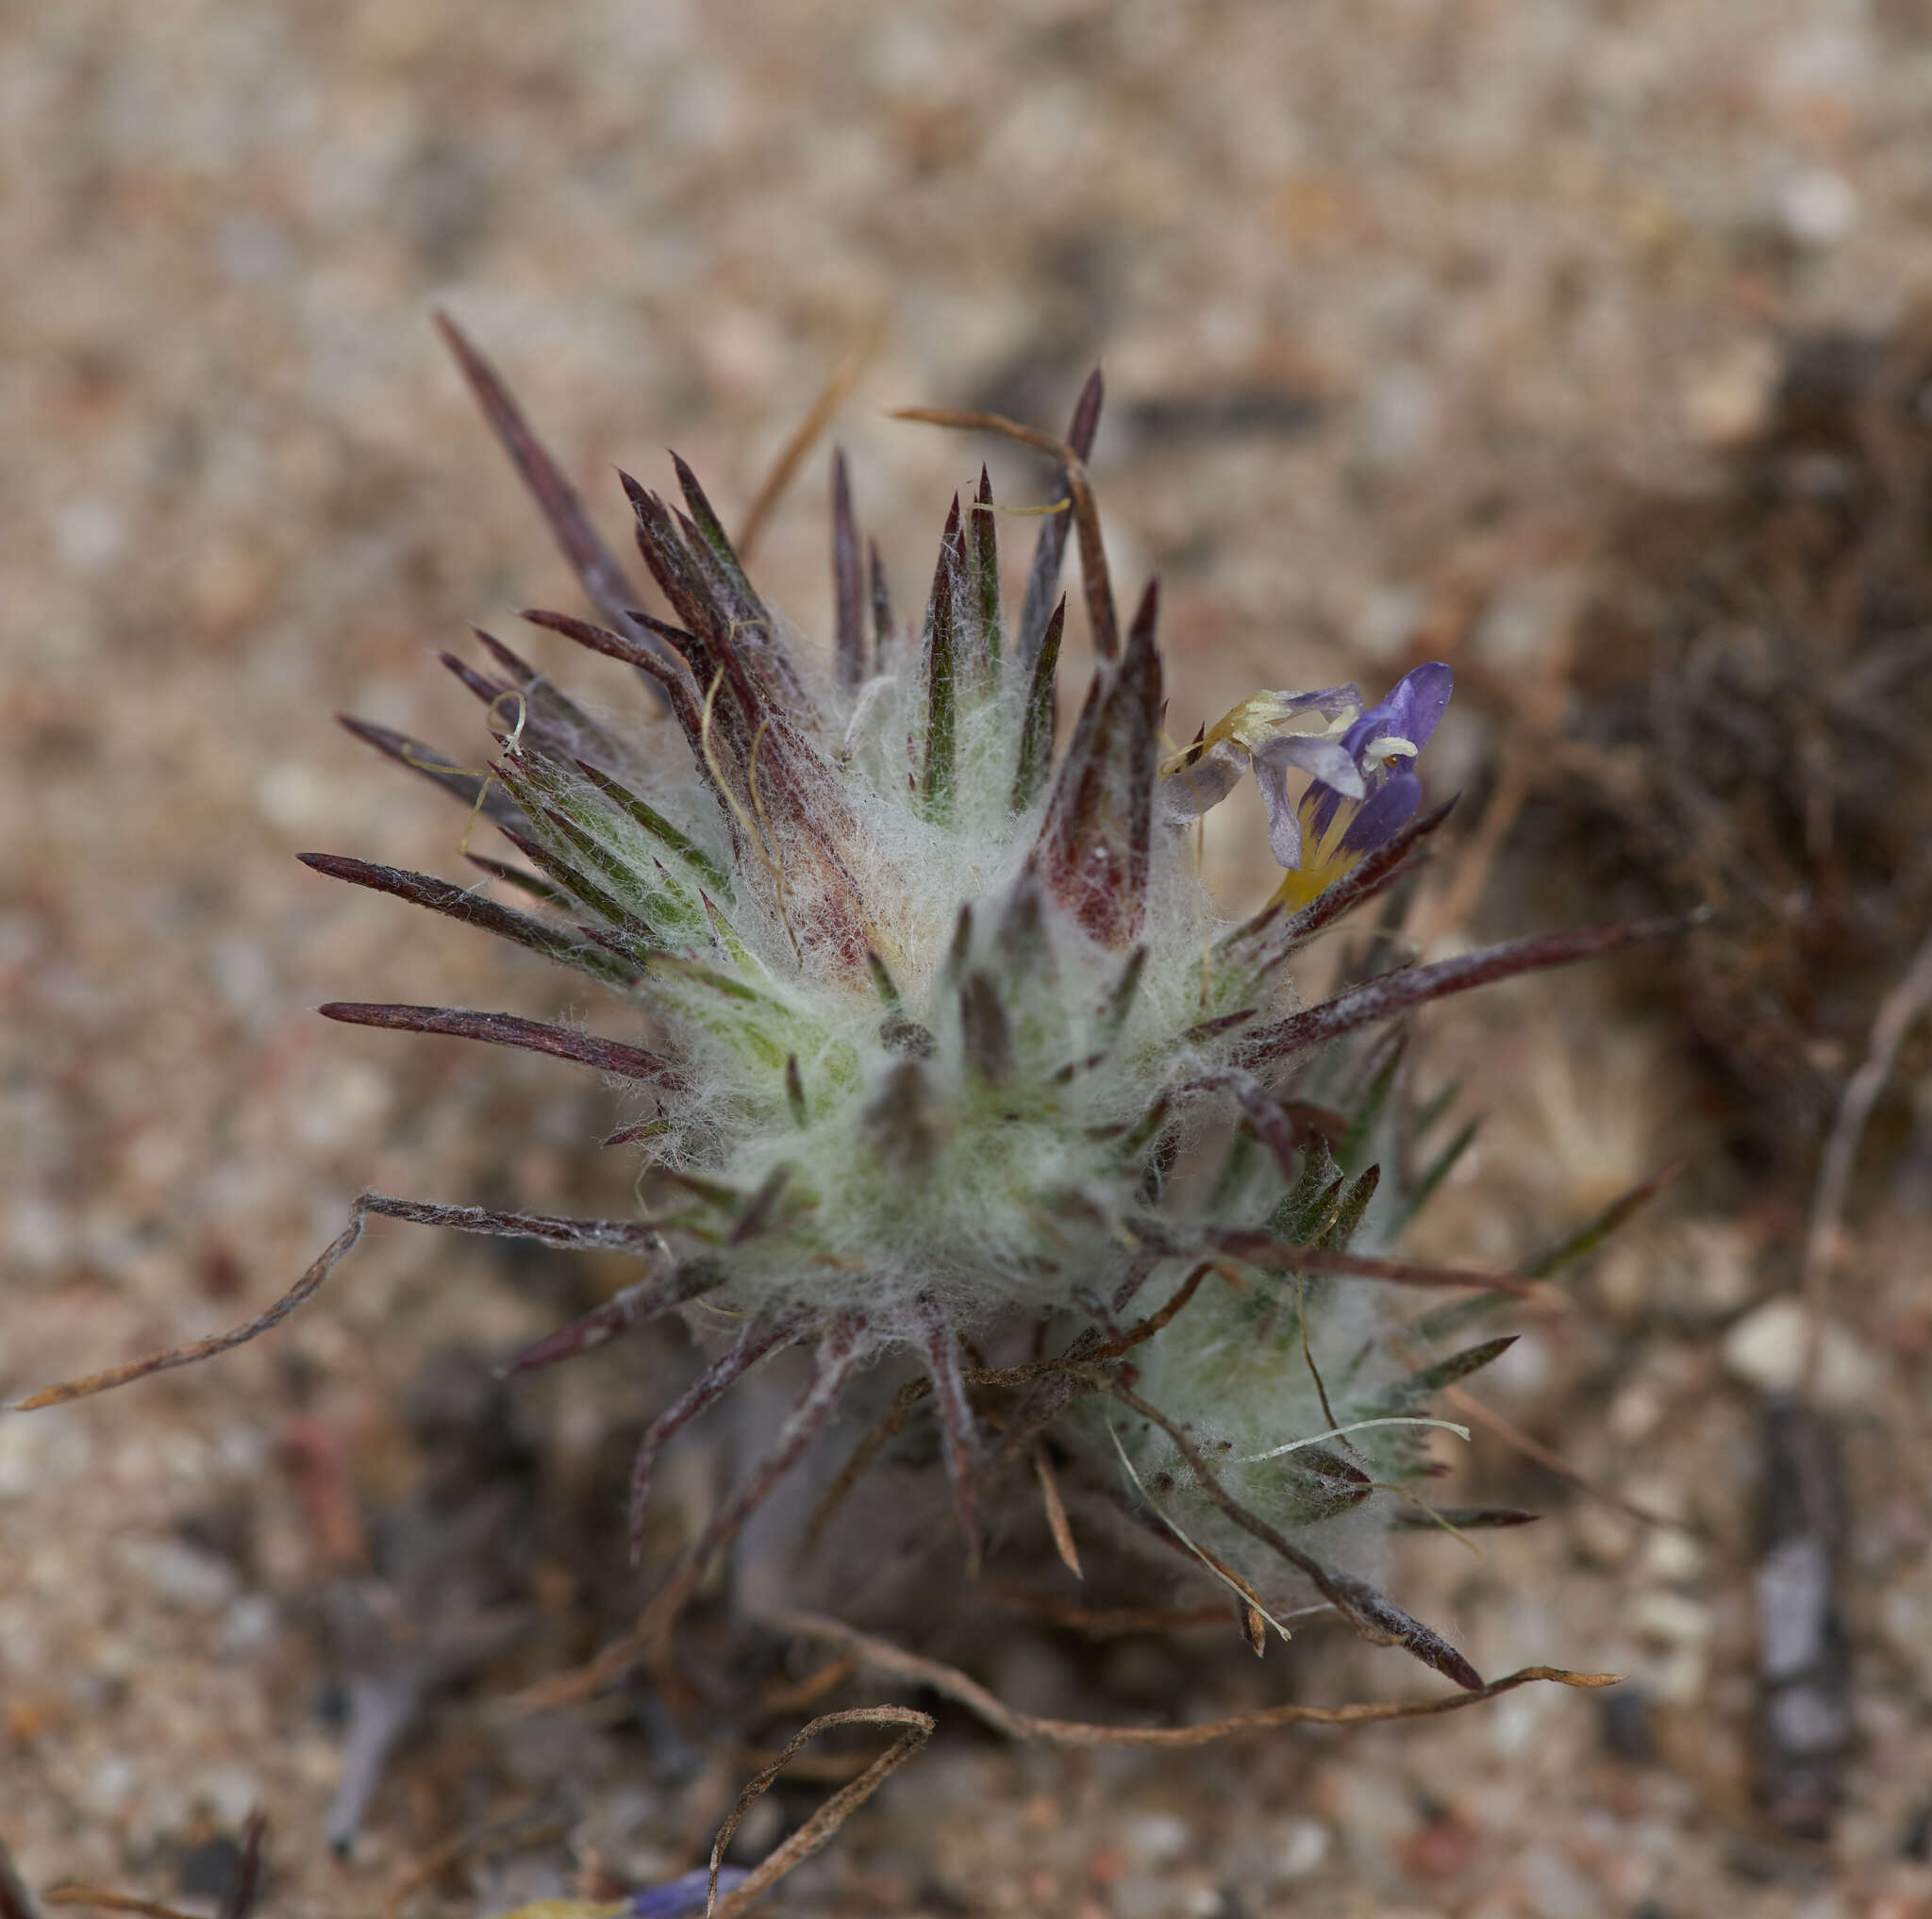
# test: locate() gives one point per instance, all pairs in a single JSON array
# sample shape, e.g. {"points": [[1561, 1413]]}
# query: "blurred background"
{"points": [[1578, 343]]}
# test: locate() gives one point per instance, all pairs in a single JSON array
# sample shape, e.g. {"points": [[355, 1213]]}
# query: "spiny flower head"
{"points": [[940, 1019]]}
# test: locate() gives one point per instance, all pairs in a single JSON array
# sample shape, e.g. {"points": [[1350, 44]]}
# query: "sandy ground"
{"points": [[1390, 293]]}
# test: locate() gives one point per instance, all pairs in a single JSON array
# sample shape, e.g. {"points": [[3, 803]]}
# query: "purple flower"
{"points": [[681, 1896], [1381, 747], [1358, 759]]}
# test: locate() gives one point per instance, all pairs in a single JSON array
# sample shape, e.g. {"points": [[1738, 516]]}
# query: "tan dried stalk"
{"points": [[881, 1655]]}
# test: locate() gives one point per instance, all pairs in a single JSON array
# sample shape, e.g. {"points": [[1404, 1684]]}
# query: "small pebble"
{"points": [[109, 1786], [1623, 1725], [206, 1871], [1680, 1677], [38, 1453], [1818, 207], [1601, 1534], [1768, 1350], [1726, 401], [1371, 1812], [1443, 1849], [1556, 1890], [1156, 1838], [1671, 1619], [1204, 1902], [1713, 1267], [1673, 1558], [1903, 1617], [179, 1575], [757, 1832], [247, 1625], [1636, 1412], [1304, 1846], [295, 800], [1142, 1895], [230, 1794]]}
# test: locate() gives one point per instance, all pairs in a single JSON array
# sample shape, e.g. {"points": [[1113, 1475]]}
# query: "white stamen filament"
{"points": [[1343, 1431]]}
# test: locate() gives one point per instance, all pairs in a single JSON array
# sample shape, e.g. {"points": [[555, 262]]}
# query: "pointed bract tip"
{"points": [[1146, 616], [451, 334], [1087, 415]]}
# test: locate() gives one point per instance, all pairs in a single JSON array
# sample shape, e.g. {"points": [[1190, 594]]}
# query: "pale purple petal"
{"points": [[686, 1894], [1189, 791], [1332, 701], [1326, 760], [1284, 827]]}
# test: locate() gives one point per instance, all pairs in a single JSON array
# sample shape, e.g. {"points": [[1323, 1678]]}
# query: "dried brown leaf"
{"points": [[1056, 1512]]}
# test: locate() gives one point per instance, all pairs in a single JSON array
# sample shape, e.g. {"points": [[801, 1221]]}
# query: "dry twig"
{"points": [[16, 1902], [1896, 1014], [881, 1655], [105, 1899], [809, 1690], [1098, 588], [819, 1828], [309, 1283], [833, 395]]}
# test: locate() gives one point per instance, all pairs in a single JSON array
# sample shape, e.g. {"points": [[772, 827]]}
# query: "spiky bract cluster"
{"points": [[927, 998], [943, 1015]]}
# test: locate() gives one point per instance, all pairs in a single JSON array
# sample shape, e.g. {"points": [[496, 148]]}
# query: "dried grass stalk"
{"points": [[304, 1289], [103, 1899], [917, 1728], [881, 1655]]}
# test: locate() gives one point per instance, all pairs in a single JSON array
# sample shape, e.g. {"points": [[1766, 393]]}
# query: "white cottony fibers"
{"points": [[980, 1191], [1233, 1371]]}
